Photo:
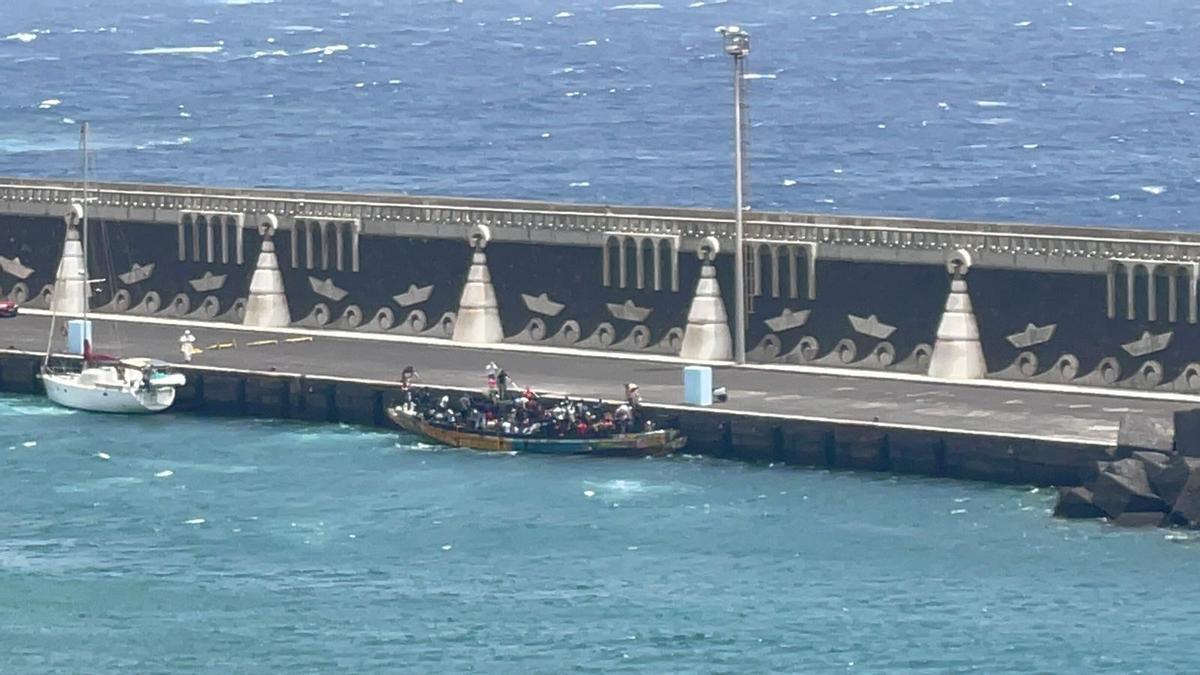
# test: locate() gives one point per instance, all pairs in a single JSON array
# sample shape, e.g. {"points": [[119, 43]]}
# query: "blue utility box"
{"points": [[78, 330], [697, 385]]}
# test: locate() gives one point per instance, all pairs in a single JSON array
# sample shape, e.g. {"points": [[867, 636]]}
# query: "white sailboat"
{"points": [[104, 384]]}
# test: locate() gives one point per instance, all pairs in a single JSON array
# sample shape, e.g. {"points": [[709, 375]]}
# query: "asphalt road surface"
{"points": [[1002, 410]]}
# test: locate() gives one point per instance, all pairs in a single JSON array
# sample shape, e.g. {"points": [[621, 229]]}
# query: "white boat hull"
{"points": [[78, 391]]}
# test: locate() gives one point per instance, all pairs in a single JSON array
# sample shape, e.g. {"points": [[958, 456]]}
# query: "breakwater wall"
{"points": [[1086, 306], [719, 432]]}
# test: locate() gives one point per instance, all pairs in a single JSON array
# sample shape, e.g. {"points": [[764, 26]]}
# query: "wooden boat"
{"points": [[658, 442]]}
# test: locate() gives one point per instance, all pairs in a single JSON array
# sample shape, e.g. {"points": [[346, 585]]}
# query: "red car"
{"points": [[8, 308]]}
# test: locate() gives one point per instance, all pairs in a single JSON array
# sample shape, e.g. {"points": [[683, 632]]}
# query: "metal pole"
{"points": [[739, 253], [87, 289]]}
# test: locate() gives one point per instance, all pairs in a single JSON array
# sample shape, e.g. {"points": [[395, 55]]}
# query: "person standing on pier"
{"points": [[187, 343]]}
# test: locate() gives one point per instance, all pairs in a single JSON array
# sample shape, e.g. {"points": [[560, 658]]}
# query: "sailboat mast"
{"points": [[87, 294]]}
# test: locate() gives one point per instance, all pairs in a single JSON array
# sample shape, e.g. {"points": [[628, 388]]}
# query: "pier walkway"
{"points": [[998, 409]]}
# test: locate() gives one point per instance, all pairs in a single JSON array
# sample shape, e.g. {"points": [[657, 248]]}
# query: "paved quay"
{"points": [[1002, 409]]}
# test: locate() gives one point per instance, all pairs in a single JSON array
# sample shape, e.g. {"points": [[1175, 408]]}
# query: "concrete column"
{"points": [[1193, 271], [707, 336], [227, 225], [1152, 291], [621, 262], [70, 282], [640, 256], [308, 243], [180, 237], [323, 233], [339, 231], [208, 237], [1111, 281], [196, 223], [1130, 277], [267, 305], [793, 273], [240, 224], [355, 233], [478, 319], [957, 353], [1172, 294]]}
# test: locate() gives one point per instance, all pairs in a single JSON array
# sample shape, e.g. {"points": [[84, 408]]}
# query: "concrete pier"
{"points": [[979, 432], [1084, 307]]}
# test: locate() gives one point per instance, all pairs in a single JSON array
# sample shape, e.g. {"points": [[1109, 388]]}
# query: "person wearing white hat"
{"points": [[187, 343]]}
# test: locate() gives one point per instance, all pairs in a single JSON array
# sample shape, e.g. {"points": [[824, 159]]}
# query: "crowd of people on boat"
{"points": [[507, 409]]}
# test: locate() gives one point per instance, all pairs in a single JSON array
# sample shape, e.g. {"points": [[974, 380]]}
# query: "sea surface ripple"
{"points": [[183, 544]]}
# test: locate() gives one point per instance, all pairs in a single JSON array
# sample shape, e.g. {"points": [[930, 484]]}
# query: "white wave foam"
{"points": [[589, 43], [563, 15], [165, 473], [582, 183], [1030, 146], [103, 455], [301, 28], [259, 55], [239, 3], [991, 104], [1177, 80], [174, 51], [194, 521], [994, 121], [1119, 50], [22, 37], [1154, 189], [789, 182], [202, 22], [48, 103], [327, 50], [447, 547], [589, 493], [882, 9], [758, 76], [943, 105], [1114, 198], [29, 444], [639, 5], [1023, 24], [182, 140]]}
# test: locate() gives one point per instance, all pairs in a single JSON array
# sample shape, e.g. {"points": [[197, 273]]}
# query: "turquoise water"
{"points": [[286, 547]]}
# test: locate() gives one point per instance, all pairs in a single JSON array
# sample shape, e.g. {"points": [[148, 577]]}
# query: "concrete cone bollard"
{"points": [[707, 336], [267, 305], [958, 354], [70, 282], [478, 318]]}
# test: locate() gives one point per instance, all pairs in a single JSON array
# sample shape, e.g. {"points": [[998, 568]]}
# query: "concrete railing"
{"points": [[846, 237]]}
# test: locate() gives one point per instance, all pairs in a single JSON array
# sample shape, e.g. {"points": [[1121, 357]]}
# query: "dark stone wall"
{"points": [[1085, 346]]}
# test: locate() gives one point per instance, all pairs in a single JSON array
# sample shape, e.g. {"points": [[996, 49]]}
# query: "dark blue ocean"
{"points": [[180, 544], [177, 544], [1084, 111]]}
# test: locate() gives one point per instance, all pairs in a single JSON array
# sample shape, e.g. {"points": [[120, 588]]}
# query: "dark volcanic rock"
{"points": [[1144, 432], [1186, 510], [1140, 519], [1187, 432], [1152, 459], [1076, 502], [1123, 486], [1168, 480]]}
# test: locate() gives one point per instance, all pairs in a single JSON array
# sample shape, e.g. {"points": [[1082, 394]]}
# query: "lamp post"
{"points": [[737, 45]]}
